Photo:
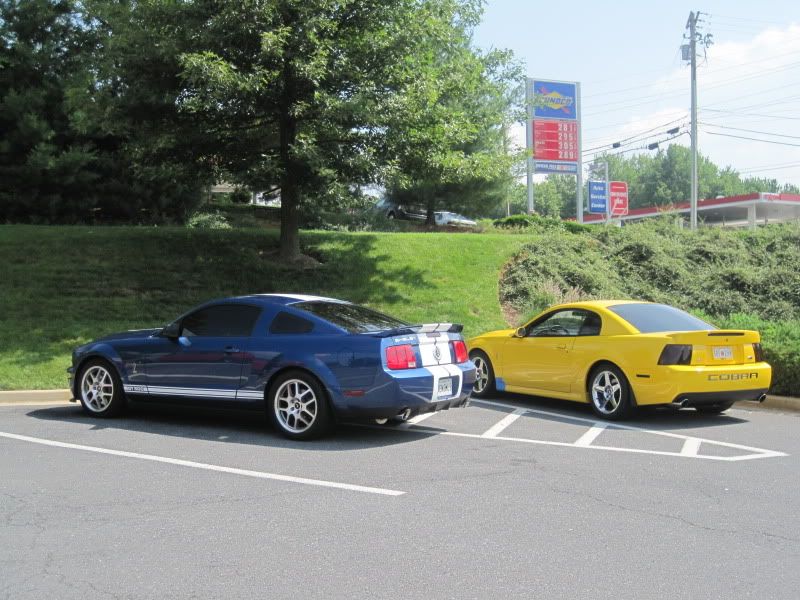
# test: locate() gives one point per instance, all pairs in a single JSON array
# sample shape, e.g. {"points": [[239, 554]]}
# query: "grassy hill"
{"points": [[62, 286]]}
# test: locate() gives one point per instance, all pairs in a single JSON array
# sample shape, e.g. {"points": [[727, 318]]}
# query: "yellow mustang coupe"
{"points": [[619, 354]]}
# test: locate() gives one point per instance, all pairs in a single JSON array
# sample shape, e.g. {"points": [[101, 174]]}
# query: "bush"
{"points": [[241, 196], [781, 342], [208, 220]]}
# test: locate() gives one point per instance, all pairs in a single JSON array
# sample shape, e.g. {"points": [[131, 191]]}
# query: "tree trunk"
{"points": [[290, 192]]}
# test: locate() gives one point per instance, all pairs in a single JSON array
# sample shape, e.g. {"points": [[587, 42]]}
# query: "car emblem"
{"points": [[437, 354]]}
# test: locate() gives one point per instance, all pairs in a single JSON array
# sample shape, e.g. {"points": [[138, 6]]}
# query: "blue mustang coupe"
{"points": [[309, 360]]}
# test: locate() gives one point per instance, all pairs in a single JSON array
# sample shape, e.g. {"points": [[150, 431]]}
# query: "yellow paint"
{"points": [[559, 366]]}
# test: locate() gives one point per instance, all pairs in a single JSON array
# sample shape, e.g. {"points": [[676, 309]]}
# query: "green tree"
{"points": [[298, 90], [447, 135], [46, 165]]}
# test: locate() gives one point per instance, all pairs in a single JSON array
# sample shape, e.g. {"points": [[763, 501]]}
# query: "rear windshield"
{"points": [[353, 318], [654, 318]]}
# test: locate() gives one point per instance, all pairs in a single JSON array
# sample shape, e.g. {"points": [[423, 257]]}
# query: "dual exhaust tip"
{"points": [[685, 401]]}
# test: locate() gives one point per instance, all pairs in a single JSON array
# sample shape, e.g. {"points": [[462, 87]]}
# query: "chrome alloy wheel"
{"points": [[606, 392], [481, 374], [97, 388], [295, 405]]}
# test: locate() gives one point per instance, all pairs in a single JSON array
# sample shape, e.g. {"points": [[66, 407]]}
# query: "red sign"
{"points": [[555, 140], [618, 194]]}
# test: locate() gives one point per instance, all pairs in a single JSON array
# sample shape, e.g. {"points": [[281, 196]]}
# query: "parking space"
{"points": [[511, 497], [523, 423]]}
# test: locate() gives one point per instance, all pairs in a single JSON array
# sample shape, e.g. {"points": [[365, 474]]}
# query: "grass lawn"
{"points": [[62, 286]]}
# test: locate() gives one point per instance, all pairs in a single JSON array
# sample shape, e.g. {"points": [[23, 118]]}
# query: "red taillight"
{"points": [[401, 357], [460, 351], [676, 354]]}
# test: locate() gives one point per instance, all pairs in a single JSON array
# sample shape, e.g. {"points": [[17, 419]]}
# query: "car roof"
{"points": [[597, 303], [285, 299]]}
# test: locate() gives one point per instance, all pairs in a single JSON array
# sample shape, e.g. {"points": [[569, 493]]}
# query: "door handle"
{"points": [[561, 347], [230, 349]]}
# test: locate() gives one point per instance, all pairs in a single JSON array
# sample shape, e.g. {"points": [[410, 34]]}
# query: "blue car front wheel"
{"points": [[100, 389]]}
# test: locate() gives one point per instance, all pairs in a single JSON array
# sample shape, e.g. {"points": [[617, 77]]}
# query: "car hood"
{"points": [[129, 335]]}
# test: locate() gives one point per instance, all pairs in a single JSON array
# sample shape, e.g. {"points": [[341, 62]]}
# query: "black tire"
{"points": [[602, 390], [100, 389], [479, 358], [289, 406], [713, 409]]}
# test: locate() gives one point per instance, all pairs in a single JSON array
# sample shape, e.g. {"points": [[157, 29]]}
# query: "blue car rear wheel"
{"points": [[298, 406]]}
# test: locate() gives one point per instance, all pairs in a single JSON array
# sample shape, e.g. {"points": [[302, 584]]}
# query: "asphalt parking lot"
{"points": [[511, 497]]}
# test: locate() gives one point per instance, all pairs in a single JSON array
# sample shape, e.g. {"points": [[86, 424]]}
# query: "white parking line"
{"points": [[418, 418], [586, 440], [691, 447], [498, 427], [591, 435], [196, 465]]}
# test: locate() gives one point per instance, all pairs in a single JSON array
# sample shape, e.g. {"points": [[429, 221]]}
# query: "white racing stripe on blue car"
{"points": [[192, 392], [431, 327]]}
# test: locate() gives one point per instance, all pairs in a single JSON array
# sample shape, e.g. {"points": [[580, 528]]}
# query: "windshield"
{"points": [[352, 317], [655, 318]]}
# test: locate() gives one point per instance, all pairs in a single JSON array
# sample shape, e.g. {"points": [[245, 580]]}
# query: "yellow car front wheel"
{"points": [[609, 392]]}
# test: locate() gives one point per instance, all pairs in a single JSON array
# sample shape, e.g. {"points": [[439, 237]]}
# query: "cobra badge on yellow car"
{"points": [[617, 355]]}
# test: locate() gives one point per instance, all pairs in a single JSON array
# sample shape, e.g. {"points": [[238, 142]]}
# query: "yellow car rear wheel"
{"points": [[609, 392]]}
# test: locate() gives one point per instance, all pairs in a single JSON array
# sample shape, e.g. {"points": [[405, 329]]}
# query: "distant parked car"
{"points": [[452, 219], [409, 212], [308, 360]]}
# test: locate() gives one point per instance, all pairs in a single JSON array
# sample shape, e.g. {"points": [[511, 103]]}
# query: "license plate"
{"points": [[723, 353], [445, 387]]}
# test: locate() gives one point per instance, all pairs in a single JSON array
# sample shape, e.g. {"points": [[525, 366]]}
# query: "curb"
{"points": [[774, 403], [35, 396]]}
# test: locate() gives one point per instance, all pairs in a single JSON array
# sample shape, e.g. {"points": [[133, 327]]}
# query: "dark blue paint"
{"points": [[243, 367]]}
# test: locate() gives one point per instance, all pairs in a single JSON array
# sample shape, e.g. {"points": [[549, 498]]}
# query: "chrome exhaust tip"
{"points": [[762, 397], [404, 415]]}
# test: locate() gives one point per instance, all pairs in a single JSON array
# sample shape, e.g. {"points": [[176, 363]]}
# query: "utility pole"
{"points": [[691, 24], [608, 196], [691, 50], [579, 190], [529, 140]]}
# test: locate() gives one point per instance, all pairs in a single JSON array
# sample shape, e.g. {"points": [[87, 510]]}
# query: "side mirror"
{"points": [[521, 332], [171, 331]]}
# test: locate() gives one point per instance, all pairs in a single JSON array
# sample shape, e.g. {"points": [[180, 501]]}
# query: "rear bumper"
{"points": [[666, 384], [707, 398], [411, 390]]}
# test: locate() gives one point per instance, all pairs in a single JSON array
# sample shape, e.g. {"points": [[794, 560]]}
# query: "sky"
{"points": [[626, 54]]}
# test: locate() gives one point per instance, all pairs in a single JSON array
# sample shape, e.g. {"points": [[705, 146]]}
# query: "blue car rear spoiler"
{"points": [[420, 328]]}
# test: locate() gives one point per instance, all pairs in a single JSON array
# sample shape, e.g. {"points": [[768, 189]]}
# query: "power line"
{"points": [[741, 137], [794, 137], [736, 112], [650, 146], [794, 166], [637, 135]]}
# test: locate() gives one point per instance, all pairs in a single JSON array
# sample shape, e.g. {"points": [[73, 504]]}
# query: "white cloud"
{"points": [[758, 80]]}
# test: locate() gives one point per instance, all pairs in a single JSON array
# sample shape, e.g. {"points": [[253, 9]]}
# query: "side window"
{"points": [[564, 323], [285, 322], [225, 320]]}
